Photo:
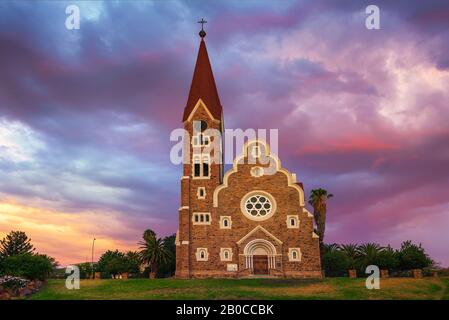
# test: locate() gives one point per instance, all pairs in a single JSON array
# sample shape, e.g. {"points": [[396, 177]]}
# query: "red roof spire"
{"points": [[203, 84]]}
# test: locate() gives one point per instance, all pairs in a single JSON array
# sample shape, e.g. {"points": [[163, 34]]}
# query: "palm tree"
{"points": [[330, 248], [153, 251], [351, 251], [369, 253], [318, 199], [147, 234]]}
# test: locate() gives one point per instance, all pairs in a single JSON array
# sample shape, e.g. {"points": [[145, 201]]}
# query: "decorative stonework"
{"points": [[258, 205]]}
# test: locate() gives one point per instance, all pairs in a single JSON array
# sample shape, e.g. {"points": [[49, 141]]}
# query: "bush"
{"points": [[335, 263], [388, 259], [27, 265], [412, 256], [116, 262], [133, 262], [337, 259], [85, 270]]}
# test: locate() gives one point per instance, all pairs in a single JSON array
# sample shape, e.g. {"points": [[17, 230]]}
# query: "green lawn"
{"points": [[330, 288]]}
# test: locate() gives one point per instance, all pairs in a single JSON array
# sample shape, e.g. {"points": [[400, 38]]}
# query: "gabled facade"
{"points": [[245, 222]]}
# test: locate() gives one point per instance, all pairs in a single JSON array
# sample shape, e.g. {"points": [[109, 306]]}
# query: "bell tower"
{"points": [[202, 151]]}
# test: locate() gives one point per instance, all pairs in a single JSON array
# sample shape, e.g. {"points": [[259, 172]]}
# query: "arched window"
{"points": [[202, 254], [294, 254], [226, 254], [225, 222]]}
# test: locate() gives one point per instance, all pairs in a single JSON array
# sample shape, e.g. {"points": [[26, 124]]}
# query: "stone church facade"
{"points": [[245, 222]]}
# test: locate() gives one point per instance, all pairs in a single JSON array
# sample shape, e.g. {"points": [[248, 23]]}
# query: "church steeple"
{"points": [[203, 84]]}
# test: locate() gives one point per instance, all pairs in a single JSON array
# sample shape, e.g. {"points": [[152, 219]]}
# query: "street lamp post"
{"points": [[92, 266]]}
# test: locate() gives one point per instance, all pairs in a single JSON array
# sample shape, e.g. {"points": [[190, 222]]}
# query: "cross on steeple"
{"points": [[202, 32]]}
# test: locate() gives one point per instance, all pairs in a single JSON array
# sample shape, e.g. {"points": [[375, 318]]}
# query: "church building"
{"points": [[245, 222]]}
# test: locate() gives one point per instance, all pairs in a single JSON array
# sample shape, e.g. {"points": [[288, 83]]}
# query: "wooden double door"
{"points": [[260, 264]]}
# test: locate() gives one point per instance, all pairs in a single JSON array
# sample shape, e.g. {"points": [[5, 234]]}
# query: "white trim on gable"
{"points": [[201, 103], [291, 178], [259, 227], [308, 212]]}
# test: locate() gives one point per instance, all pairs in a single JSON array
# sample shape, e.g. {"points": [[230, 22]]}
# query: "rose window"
{"points": [[258, 206]]}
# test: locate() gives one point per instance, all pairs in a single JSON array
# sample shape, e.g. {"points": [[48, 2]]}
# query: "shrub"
{"points": [[388, 259], [133, 262], [412, 256], [27, 265], [352, 253], [85, 270], [116, 262], [335, 263]]}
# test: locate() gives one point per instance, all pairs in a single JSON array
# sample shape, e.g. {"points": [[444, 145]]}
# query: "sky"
{"points": [[86, 115]]}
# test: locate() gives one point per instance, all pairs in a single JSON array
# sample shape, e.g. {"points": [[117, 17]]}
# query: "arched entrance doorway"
{"points": [[260, 256]]}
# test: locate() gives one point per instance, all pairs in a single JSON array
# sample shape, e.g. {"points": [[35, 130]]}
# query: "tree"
{"points": [[318, 200], [85, 270], [369, 254], [153, 252], [16, 242], [335, 263], [148, 234], [52, 260], [351, 252], [388, 259], [412, 256], [168, 269], [27, 265], [113, 263], [133, 261], [330, 247]]}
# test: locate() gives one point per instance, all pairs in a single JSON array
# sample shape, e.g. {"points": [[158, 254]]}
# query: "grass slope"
{"points": [[330, 288]]}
